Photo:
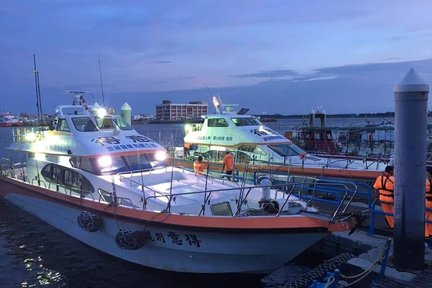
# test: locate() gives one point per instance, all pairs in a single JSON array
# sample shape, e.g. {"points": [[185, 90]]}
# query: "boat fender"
{"points": [[271, 207], [89, 221], [131, 240]]}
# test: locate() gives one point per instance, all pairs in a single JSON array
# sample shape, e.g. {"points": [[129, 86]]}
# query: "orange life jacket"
{"points": [[385, 185], [428, 189]]}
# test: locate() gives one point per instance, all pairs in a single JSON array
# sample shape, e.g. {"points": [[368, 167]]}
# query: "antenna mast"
{"points": [[100, 76], [38, 95]]}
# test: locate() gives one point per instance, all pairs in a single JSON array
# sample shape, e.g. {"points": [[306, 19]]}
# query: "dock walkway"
{"points": [[367, 251], [423, 279], [392, 277]]}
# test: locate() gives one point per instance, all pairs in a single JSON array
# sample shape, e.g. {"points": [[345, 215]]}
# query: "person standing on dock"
{"points": [[199, 166], [428, 213], [228, 164], [186, 150], [384, 185]]}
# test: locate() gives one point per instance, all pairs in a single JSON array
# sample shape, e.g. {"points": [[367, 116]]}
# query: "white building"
{"points": [[170, 111]]}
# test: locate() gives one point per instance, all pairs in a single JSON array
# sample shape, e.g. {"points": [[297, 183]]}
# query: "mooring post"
{"points": [[411, 96]]}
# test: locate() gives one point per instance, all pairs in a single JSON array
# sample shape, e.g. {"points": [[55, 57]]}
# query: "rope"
{"points": [[331, 265], [366, 272], [362, 277], [330, 281]]}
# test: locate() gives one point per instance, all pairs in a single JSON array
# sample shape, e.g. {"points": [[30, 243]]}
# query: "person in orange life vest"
{"points": [[384, 185], [228, 164], [199, 166], [186, 149], [428, 214]]}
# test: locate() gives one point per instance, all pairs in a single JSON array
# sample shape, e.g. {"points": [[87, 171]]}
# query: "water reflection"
{"points": [[33, 254]]}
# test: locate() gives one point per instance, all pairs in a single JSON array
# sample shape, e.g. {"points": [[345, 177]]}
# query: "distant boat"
{"points": [[9, 120], [259, 147]]}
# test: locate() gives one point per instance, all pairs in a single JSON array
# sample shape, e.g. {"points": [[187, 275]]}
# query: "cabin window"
{"points": [[68, 180], [287, 149], [84, 124], [130, 163], [66, 177], [246, 121], [85, 164], [62, 125], [251, 149], [122, 124], [217, 122], [58, 174], [247, 147], [243, 157], [82, 163], [105, 123]]}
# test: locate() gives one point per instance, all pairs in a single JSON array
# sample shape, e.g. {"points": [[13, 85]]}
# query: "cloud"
{"points": [[159, 62], [270, 74], [290, 53]]}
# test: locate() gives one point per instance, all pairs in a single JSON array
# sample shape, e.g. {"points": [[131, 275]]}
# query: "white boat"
{"points": [[96, 179], [257, 146]]}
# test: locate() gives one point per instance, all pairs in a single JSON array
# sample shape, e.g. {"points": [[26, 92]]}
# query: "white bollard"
{"points": [[411, 96]]}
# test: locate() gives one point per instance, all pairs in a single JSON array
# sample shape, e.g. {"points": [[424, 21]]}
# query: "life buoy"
{"points": [[89, 222], [131, 240]]}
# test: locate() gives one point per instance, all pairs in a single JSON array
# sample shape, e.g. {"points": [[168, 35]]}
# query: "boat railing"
{"points": [[142, 186], [206, 197], [7, 169], [137, 184], [324, 192], [330, 160], [243, 193], [112, 199], [344, 192], [55, 186], [374, 212], [349, 160]]}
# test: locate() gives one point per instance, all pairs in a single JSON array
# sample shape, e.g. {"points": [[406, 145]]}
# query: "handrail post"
{"points": [[372, 217], [384, 260]]}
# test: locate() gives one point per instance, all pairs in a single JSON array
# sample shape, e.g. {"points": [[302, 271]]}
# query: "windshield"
{"points": [[84, 124], [122, 124], [248, 121], [131, 163], [108, 164], [109, 123], [287, 149]]}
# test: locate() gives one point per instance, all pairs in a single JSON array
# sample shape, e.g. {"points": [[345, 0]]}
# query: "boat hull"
{"points": [[193, 244]]}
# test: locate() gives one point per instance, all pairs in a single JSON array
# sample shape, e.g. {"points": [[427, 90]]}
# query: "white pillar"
{"points": [[126, 113], [411, 96]]}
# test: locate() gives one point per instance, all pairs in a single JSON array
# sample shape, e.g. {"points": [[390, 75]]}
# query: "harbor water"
{"points": [[34, 254]]}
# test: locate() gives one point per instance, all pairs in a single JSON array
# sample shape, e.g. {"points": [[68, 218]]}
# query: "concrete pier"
{"points": [[411, 96]]}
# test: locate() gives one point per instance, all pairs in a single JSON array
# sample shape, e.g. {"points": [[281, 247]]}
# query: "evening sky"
{"points": [[273, 56]]}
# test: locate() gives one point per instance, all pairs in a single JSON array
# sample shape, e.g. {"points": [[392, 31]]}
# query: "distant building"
{"points": [[170, 111]]}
